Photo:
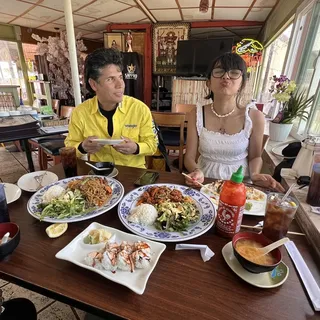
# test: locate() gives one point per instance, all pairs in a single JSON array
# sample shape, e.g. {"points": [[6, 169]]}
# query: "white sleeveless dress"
{"points": [[222, 154]]}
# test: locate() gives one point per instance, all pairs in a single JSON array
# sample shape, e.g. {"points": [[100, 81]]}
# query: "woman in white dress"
{"points": [[223, 133]]}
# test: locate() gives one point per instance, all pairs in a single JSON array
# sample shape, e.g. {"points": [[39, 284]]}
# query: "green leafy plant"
{"points": [[295, 107]]}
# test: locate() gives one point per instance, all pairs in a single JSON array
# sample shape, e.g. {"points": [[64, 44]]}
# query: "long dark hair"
{"points": [[229, 61], [97, 60]]}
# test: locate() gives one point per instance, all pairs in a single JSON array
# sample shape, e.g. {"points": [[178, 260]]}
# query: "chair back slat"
{"points": [[186, 108], [66, 111]]}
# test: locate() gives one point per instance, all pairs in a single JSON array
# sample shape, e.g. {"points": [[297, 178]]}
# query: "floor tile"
{"points": [[11, 291], [3, 283], [81, 314], [57, 311]]}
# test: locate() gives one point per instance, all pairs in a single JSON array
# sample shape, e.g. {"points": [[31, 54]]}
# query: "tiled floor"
{"points": [[12, 166]]}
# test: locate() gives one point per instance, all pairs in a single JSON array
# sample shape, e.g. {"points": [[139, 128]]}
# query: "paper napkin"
{"points": [[305, 274], [205, 251]]}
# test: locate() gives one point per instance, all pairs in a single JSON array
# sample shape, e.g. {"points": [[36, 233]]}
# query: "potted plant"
{"points": [[292, 104]]}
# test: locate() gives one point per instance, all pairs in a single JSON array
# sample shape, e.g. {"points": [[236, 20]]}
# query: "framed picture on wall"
{"points": [[165, 44], [114, 40]]}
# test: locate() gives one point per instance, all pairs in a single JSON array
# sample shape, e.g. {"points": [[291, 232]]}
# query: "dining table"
{"points": [[182, 285]]}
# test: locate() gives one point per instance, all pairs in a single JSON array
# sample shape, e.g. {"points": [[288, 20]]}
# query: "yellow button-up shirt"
{"points": [[132, 119]]}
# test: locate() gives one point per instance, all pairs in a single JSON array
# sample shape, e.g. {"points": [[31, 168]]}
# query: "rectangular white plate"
{"points": [[108, 141], [76, 251]]}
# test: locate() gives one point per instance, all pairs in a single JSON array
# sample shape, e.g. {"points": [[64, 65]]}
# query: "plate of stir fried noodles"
{"points": [[75, 199], [182, 213]]}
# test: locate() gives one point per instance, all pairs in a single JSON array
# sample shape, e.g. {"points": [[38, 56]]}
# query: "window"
{"points": [[10, 66], [273, 62], [304, 64]]}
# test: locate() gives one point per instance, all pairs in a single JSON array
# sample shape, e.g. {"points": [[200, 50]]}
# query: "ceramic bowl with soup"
{"points": [[245, 245], [13, 240]]}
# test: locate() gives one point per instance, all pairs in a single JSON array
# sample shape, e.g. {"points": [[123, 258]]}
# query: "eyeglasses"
{"points": [[233, 73]]}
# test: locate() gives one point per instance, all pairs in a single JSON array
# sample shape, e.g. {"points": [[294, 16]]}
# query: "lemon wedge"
{"points": [[56, 230]]}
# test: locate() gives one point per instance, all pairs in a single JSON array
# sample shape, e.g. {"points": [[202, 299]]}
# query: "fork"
{"points": [[39, 179]]}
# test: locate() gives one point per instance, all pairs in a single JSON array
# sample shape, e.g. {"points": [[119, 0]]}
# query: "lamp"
{"points": [[204, 6]]}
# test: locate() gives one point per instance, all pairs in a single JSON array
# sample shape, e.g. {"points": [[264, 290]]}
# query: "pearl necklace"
{"points": [[222, 115]]}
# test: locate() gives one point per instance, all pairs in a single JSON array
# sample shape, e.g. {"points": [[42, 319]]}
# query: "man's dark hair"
{"points": [[97, 60], [229, 61]]}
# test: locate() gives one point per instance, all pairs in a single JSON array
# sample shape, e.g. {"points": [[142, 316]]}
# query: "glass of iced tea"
{"points": [[69, 161], [279, 215]]}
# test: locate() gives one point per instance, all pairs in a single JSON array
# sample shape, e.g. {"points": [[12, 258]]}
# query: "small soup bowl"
{"points": [[264, 241], [14, 238], [102, 168]]}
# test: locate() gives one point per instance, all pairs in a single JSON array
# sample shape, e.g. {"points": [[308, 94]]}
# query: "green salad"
{"points": [[176, 216], [69, 204]]}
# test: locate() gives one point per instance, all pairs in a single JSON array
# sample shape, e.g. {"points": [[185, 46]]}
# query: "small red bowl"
{"points": [[11, 244], [251, 266]]}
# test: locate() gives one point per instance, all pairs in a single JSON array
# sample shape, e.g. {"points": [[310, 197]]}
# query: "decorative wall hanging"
{"points": [[165, 43], [114, 40], [250, 51]]}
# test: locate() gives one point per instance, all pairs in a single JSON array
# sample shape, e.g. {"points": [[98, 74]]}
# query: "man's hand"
{"points": [[126, 147], [90, 146]]}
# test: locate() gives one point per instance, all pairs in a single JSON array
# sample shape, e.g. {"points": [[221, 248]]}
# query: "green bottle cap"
{"points": [[237, 176]]}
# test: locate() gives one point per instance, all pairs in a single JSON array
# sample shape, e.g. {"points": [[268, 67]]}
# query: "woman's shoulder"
{"points": [[256, 116]]}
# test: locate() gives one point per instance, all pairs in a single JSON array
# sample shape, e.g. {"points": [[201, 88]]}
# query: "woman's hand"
{"points": [[266, 181], [194, 177]]}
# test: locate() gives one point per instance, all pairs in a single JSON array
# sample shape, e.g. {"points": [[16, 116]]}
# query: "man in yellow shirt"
{"points": [[111, 115]]}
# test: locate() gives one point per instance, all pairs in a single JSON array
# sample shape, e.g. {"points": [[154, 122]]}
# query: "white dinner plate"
{"points": [[203, 203], [12, 191], [75, 252], [108, 141], [117, 194], [28, 182], [266, 280], [258, 207]]}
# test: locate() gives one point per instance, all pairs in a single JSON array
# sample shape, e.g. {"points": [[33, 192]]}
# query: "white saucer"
{"points": [[28, 183], [265, 280], [113, 173], [108, 141], [12, 191]]}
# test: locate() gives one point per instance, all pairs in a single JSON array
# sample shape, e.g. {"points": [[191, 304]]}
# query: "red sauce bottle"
{"points": [[231, 205]]}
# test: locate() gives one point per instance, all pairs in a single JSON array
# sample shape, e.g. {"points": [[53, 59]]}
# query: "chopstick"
{"points": [[260, 228], [199, 183]]}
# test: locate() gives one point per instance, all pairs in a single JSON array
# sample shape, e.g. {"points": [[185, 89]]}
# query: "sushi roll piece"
{"points": [[109, 260], [113, 246], [124, 261], [140, 259], [141, 245], [127, 247], [93, 259]]}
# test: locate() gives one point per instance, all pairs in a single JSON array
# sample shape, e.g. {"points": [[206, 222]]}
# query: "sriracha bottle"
{"points": [[231, 205]]}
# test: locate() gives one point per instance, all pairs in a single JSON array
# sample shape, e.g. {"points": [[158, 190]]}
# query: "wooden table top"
{"points": [[181, 286]]}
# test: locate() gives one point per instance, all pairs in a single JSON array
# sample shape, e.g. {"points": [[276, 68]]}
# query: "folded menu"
{"points": [[55, 129], [305, 274], [17, 123]]}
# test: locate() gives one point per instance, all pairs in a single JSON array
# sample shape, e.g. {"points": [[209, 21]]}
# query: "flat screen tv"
{"points": [[195, 56]]}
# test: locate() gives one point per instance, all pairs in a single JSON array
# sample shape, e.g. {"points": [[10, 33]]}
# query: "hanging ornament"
{"points": [[204, 6]]}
